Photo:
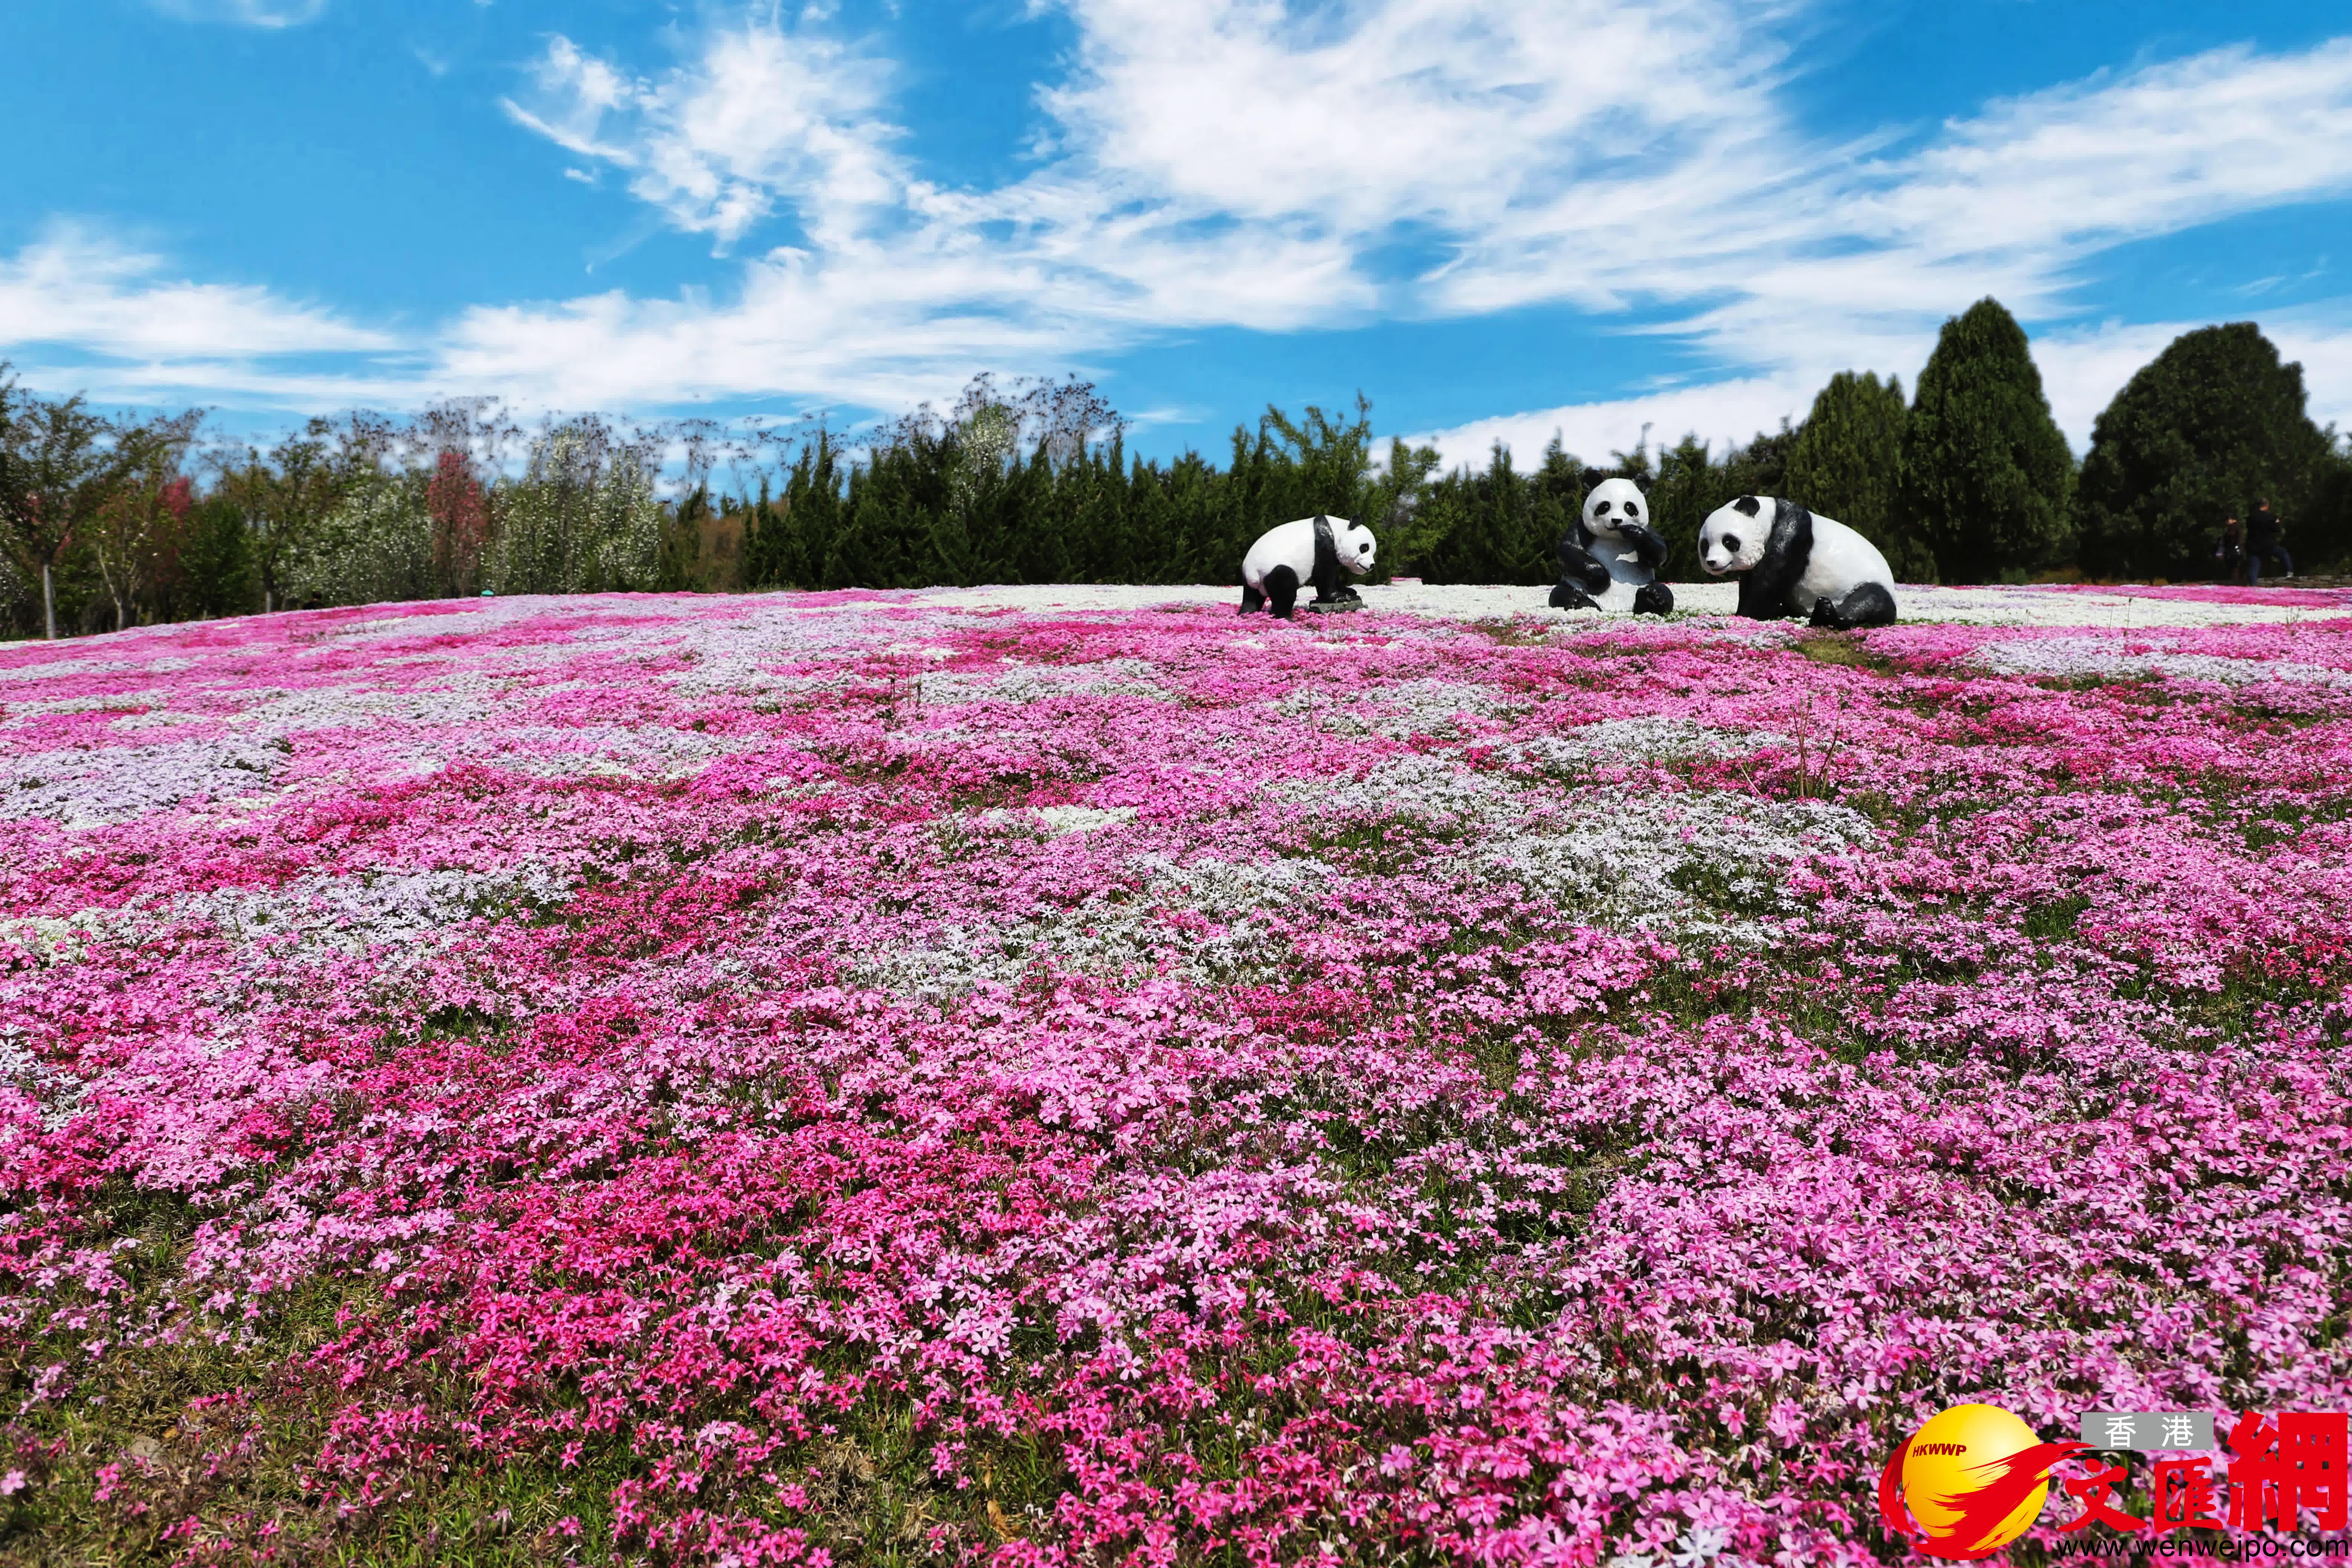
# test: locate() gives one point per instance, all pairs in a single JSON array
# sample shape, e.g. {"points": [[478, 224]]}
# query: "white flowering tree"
{"points": [[376, 546], [583, 518]]}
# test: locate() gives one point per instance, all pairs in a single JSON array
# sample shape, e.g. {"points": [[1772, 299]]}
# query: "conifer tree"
{"points": [[2206, 429], [1688, 485], [2322, 532], [1987, 477], [1846, 461]]}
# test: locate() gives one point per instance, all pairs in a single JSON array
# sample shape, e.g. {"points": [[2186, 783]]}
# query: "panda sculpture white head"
{"points": [[1610, 504], [1354, 544], [1733, 537]]}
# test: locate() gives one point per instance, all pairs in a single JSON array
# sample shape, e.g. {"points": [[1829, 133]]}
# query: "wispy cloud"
{"points": [[1243, 163], [244, 13], [1255, 164], [2082, 370], [762, 114], [2018, 200], [1229, 167], [1867, 259], [134, 330]]}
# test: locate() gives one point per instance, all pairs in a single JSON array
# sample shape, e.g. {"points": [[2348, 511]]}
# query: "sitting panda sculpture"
{"points": [[1608, 559], [1791, 562], [1314, 550]]}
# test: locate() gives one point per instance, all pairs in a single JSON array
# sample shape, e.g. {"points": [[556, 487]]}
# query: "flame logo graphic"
{"points": [[1968, 1482]]}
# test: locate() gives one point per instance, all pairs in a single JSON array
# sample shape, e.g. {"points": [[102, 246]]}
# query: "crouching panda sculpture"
{"points": [[1312, 549], [1791, 562], [1608, 559]]}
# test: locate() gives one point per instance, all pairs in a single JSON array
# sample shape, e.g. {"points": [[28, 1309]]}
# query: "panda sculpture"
{"points": [[1608, 559], [1314, 550], [1791, 562]]}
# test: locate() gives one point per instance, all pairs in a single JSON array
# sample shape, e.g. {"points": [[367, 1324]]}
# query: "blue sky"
{"points": [[1494, 219]]}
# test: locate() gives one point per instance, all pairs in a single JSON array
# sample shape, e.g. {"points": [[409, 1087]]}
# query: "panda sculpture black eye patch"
{"points": [[1601, 511], [1746, 506]]}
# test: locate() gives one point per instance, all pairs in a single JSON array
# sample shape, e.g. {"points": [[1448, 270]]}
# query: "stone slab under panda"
{"points": [[1608, 559], [1792, 563], [1315, 550]]}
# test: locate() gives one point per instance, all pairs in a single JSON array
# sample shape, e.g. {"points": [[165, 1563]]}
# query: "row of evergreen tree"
{"points": [[1969, 481], [110, 523]]}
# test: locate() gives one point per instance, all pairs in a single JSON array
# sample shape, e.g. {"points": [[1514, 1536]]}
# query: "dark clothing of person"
{"points": [[2263, 530], [2231, 551], [2274, 552]]}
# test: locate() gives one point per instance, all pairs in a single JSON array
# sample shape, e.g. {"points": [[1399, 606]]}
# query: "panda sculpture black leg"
{"points": [[1869, 605], [1281, 587], [1654, 599], [1251, 599], [1331, 589], [1581, 576]]}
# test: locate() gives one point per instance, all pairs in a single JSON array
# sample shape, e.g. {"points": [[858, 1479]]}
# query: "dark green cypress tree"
{"points": [[1152, 526], [1987, 479], [857, 555], [1514, 551], [1101, 534], [2205, 429], [791, 535], [1204, 503], [951, 558], [1554, 497], [763, 535], [1027, 500], [1686, 487], [2321, 535], [1439, 526], [1846, 462]]}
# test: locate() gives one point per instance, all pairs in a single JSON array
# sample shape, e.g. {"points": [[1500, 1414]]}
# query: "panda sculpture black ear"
{"points": [[1642, 483], [1593, 477]]}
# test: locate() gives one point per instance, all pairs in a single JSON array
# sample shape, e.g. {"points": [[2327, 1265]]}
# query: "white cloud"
{"points": [[2082, 370], [245, 13], [154, 335], [2018, 202], [1257, 165], [1453, 113], [75, 287], [1214, 168], [762, 113], [1722, 413], [2015, 203], [2121, 157], [1241, 163]]}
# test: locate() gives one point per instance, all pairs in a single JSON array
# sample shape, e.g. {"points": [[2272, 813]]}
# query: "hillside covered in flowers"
{"points": [[813, 1078]]}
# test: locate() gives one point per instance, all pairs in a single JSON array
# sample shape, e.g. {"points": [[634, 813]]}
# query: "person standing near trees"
{"points": [[2262, 543], [2231, 551]]}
